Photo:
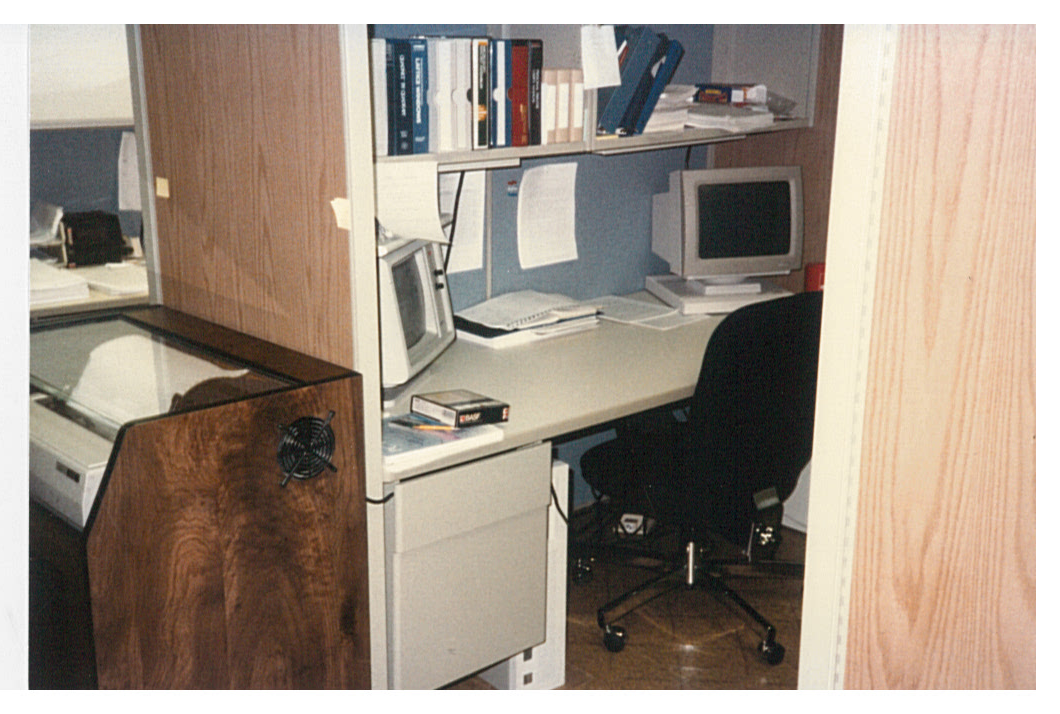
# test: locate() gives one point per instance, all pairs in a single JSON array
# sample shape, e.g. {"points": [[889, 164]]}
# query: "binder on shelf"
{"points": [[536, 52], [399, 115], [549, 89], [664, 72], [440, 82], [420, 100], [519, 93], [380, 97], [563, 78], [576, 121], [643, 88], [642, 47], [481, 89], [462, 94], [459, 408], [500, 84]]}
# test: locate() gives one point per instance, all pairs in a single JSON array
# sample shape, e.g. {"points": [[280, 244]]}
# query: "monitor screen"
{"points": [[409, 289], [744, 219]]}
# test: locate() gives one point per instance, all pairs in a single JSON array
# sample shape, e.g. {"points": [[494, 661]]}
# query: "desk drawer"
{"points": [[466, 576]]}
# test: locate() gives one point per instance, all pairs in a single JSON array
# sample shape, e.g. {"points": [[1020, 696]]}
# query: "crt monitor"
{"points": [[728, 225], [415, 312]]}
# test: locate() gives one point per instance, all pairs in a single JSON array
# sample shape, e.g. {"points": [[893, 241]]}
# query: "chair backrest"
{"points": [[751, 416]]}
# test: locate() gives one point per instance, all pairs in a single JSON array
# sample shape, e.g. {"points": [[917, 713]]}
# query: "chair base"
{"points": [[697, 573]]}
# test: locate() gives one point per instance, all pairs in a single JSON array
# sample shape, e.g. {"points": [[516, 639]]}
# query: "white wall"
{"points": [[79, 76]]}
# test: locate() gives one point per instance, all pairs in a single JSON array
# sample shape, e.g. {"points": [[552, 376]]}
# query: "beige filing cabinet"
{"points": [[467, 554]]}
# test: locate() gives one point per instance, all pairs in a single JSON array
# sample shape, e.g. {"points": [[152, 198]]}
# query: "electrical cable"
{"points": [[452, 228]]}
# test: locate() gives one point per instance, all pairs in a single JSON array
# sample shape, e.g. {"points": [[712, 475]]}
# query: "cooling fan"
{"points": [[306, 448]]}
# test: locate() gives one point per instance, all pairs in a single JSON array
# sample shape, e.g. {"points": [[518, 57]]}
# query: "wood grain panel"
{"points": [[246, 127], [943, 584], [809, 148], [206, 573]]}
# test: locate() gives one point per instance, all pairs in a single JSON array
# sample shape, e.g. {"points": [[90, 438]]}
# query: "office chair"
{"points": [[725, 471]]}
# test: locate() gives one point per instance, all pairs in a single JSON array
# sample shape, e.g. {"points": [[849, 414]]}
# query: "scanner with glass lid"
{"points": [[90, 378], [211, 485]]}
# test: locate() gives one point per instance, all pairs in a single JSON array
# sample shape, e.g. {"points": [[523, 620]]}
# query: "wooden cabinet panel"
{"points": [[246, 136], [205, 572]]}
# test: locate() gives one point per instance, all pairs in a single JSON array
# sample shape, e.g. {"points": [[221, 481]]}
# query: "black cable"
{"points": [[555, 499], [688, 155], [380, 501], [452, 228]]}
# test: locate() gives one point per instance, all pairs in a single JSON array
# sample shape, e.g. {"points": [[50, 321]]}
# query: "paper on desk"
{"points": [[406, 200], [641, 312], [466, 251], [546, 232], [599, 56]]}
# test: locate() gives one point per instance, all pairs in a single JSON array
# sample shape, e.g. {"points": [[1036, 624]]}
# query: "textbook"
{"points": [[459, 408]]}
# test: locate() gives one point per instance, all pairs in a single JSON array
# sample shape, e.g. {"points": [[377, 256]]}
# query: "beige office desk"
{"points": [[467, 533], [570, 383]]}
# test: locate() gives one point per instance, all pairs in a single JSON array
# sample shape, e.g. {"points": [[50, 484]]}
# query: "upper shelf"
{"points": [[783, 57]]}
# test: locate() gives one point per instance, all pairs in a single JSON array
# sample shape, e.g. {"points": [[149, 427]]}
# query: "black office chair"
{"points": [[726, 470]]}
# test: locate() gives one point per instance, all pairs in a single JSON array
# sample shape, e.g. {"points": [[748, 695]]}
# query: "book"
{"points": [[524, 309], [576, 113], [420, 95], [462, 94], [519, 93], [549, 81], [498, 338], [440, 83], [536, 58], [406, 446], [643, 44], [500, 102], [736, 94], [459, 408], [380, 98], [663, 72], [642, 89], [480, 89], [400, 108], [563, 77]]}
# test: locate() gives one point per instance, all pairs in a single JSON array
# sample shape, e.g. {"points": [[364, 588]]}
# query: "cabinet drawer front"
{"points": [[461, 499]]}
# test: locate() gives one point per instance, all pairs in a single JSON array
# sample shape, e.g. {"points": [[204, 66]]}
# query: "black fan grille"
{"points": [[306, 448]]}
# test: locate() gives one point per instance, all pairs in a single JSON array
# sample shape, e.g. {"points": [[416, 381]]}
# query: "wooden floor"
{"points": [[687, 639]]}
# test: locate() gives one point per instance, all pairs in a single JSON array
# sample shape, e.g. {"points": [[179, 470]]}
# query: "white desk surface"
{"points": [[566, 384]]}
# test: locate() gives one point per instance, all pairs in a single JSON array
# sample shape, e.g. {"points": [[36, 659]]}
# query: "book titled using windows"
{"points": [[459, 408]]}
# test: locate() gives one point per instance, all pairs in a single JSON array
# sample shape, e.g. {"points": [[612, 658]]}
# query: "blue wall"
{"points": [[77, 169]]}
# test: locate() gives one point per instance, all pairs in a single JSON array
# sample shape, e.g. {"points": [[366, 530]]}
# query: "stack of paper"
{"points": [[116, 278], [406, 446], [524, 316], [48, 285]]}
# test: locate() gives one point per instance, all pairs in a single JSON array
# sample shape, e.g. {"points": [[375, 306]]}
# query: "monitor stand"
{"points": [[695, 297]]}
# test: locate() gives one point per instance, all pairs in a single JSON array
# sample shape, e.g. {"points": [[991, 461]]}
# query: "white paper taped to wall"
{"points": [[546, 233], [406, 200]]}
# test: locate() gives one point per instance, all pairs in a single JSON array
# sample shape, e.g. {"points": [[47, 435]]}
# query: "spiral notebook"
{"points": [[526, 309]]}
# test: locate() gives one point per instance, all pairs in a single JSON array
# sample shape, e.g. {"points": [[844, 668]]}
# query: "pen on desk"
{"points": [[421, 425]]}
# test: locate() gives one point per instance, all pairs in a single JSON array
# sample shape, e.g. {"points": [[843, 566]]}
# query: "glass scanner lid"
{"points": [[109, 372]]}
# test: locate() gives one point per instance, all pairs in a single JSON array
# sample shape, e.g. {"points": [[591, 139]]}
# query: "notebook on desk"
{"points": [[525, 316]]}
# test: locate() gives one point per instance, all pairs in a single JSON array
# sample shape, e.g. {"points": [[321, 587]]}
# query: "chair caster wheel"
{"points": [[614, 638], [773, 652], [581, 572]]}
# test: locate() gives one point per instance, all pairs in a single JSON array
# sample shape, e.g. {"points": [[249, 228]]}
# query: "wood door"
{"points": [[943, 587], [205, 572], [248, 152]]}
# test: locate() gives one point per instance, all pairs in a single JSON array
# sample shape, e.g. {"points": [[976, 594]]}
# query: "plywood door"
{"points": [[248, 152], [943, 586]]}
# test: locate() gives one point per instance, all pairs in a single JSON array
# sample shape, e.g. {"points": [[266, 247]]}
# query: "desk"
{"points": [[467, 533], [568, 384]]}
